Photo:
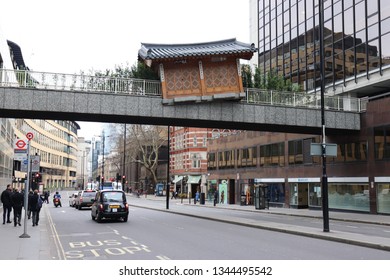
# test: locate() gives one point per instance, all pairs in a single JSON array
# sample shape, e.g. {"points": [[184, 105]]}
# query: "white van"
{"points": [[91, 186], [111, 186]]}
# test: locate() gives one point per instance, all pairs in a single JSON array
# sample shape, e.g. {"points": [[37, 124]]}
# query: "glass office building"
{"points": [[356, 40], [356, 61]]}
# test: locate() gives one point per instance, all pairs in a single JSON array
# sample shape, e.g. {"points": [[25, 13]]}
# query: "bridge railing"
{"points": [[78, 82], [74, 82], [305, 100]]}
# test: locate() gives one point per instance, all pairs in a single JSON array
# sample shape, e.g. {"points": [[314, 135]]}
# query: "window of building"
{"points": [[211, 161], [272, 154], [382, 143], [195, 158], [247, 157]]}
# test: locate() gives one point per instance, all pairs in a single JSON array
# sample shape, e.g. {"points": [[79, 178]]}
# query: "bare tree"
{"points": [[143, 143]]}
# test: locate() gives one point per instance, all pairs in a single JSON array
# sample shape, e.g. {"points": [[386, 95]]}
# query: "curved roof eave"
{"points": [[171, 51]]}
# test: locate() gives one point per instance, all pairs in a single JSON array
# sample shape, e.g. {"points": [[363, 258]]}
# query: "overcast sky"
{"points": [[73, 35], [89, 35]]}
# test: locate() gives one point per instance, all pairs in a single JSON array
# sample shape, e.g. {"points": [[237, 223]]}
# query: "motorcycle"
{"points": [[57, 202]]}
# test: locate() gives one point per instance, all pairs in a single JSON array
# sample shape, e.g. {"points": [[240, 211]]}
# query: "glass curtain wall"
{"points": [[356, 33]]}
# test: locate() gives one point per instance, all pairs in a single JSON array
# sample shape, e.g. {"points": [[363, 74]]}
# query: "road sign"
{"points": [[20, 149], [330, 149], [24, 165], [20, 144], [35, 163], [30, 135]]}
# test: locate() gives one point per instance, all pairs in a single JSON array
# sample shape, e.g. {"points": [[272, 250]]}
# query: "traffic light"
{"points": [[98, 178], [38, 177], [118, 177], [123, 180]]}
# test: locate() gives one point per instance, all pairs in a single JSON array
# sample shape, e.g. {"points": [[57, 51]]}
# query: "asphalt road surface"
{"points": [[153, 235]]}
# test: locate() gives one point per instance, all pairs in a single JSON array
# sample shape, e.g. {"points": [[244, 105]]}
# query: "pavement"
{"points": [[40, 244]]}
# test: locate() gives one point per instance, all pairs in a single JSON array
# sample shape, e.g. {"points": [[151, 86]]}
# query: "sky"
{"points": [[94, 35]]}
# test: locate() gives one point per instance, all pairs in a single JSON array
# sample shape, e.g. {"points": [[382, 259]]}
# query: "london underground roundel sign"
{"points": [[21, 144]]}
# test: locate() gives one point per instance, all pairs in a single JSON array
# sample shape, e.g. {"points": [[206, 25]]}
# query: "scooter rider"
{"points": [[57, 195]]}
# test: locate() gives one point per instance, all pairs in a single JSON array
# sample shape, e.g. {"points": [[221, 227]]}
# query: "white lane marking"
{"points": [[162, 257]]}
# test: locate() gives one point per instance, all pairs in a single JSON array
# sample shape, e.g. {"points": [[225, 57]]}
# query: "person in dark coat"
{"points": [[30, 194], [33, 205], [17, 204], [46, 195], [7, 203], [216, 196]]}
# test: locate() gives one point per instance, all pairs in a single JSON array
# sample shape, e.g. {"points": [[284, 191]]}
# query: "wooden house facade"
{"points": [[198, 72]]}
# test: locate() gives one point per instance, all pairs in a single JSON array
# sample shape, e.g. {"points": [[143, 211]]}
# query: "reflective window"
{"points": [[349, 196], [383, 198]]}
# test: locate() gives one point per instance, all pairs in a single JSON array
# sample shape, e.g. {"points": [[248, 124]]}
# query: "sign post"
{"points": [[29, 136]]}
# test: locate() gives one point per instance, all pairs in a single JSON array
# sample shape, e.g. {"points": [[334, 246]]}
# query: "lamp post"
{"points": [[103, 136], [168, 166], [124, 158], [102, 178], [325, 207], [83, 171]]}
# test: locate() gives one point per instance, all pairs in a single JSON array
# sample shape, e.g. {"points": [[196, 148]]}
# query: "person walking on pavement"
{"points": [[17, 204], [7, 204], [30, 194], [46, 195], [216, 197], [34, 207]]}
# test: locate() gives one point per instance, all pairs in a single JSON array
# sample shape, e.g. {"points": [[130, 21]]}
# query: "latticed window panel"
{"points": [[187, 79]]}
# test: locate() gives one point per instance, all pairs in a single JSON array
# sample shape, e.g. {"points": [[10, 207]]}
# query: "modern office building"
{"points": [[356, 36], [356, 62]]}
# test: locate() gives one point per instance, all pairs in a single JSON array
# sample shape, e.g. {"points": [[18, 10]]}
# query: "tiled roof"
{"points": [[225, 47]]}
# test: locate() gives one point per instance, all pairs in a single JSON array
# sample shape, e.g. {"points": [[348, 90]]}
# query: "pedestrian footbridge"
{"points": [[39, 95]]}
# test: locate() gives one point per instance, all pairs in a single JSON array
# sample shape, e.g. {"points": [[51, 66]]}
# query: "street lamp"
{"points": [[325, 207], [102, 178], [124, 157], [103, 136], [168, 166]]}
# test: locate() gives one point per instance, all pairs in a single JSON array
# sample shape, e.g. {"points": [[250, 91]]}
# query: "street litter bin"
{"points": [[202, 198]]}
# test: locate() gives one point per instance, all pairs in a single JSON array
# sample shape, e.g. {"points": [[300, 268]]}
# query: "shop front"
{"points": [[349, 193], [383, 194], [211, 189], [275, 190], [246, 192], [304, 192]]}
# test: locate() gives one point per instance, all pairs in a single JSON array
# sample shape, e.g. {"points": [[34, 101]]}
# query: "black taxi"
{"points": [[110, 204]]}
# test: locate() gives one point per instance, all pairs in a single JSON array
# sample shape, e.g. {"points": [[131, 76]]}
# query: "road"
{"points": [[153, 235]]}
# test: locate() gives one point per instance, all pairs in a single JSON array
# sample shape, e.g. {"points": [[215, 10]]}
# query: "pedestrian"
{"points": [[215, 197], [17, 204], [7, 204], [35, 202], [30, 194], [196, 197], [46, 195]]}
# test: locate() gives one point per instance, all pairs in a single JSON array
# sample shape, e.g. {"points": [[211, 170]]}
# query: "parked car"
{"points": [[85, 199], [72, 199], [110, 204]]}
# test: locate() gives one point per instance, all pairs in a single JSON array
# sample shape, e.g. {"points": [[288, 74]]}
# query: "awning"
{"points": [[177, 179], [193, 179]]}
